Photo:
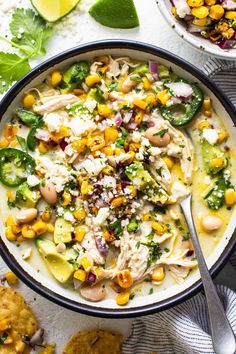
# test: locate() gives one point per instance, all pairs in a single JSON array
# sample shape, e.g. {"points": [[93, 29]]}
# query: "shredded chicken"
{"points": [[53, 103]]}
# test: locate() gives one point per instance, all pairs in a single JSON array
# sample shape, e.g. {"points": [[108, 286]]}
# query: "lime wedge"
{"points": [[115, 13], [53, 10]]}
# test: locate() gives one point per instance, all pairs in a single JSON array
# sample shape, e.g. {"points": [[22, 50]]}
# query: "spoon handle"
{"points": [[223, 338]]}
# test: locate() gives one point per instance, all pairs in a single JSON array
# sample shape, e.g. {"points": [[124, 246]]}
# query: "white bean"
{"points": [[26, 215], [49, 193], [94, 293], [211, 223], [157, 140]]}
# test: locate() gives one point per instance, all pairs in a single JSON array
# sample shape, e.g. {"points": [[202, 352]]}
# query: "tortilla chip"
{"points": [[94, 342], [22, 320]]}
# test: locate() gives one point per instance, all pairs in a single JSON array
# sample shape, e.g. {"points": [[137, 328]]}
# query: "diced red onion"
{"points": [[42, 134], [227, 44], [37, 338], [91, 278], [229, 4], [189, 253], [101, 245], [132, 125], [127, 117], [153, 67], [63, 144], [118, 120], [117, 287]]}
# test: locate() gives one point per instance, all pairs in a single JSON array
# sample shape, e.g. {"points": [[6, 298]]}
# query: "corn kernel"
{"points": [[201, 22], [159, 228], [4, 143], [107, 150], [132, 191], [210, 2], [108, 170], [66, 198], [28, 232], [92, 80], [108, 236], [20, 238], [200, 12], [80, 214], [94, 210], [230, 15], [85, 263], [147, 217], [204, 124], [230, 196], [151, 99], [10, 131], [96, 142], [80, 274], [9, 234], [28, 101], [119, 201], [4, 325], [218, 162], [16, 229], [207, 103], [122, 298], [169, 162], [79, 145], [50, 228], [174, 11], [110, 134], [216, 12], [20, 347], [134, 147], [208, 114], [56, 78], [39, 227], [11, 278], [140, 104], [163, 97], [80, 232], [195, 3], [43, 148], [50, 349], [146, 84], [10, 221], [104, 110], [46, 214], [138, 118], [222, 136], [119, 151], [158, 274], [86, 188], [124, 279]]}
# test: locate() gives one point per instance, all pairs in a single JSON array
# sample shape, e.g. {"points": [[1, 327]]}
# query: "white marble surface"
{"points": [[60, 323]]}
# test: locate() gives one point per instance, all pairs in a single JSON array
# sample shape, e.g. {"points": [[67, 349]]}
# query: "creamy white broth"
{"points": [[208, 240]]}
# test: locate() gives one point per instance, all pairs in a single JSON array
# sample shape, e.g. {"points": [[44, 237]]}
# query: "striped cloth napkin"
{"points": [[185, 328]]}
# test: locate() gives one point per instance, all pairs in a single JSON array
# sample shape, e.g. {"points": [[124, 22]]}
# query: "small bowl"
{"points": [[202, 44], [37, 278]]}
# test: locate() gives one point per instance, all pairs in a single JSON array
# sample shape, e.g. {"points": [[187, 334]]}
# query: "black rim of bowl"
{"points": [[96, 310]]}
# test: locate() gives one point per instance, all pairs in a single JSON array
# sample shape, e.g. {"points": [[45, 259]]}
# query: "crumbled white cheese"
{"points": [[136, 136], [101, 217], [69, 217], [109, 182], [90, 105], [180, 89], [210, 135], [33, 181], [53, 121], [80, 126], [182, 8], [91, 166], [179, 190]]}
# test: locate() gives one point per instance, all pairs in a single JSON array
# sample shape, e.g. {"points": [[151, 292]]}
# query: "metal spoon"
{"points": [[223, 338]]}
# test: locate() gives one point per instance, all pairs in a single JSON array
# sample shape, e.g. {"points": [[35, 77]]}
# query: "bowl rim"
{"points": [[96, 310], [192, 39]]}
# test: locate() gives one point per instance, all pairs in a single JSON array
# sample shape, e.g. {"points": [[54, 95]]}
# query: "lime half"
{"points": [[53, 10], [115, 13]]}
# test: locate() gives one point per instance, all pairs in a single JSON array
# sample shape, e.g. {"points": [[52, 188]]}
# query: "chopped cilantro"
{"points": [[186, 237], [161, 132], [116, 228], [3, 338], [166, 249], [151, 291], [138, 244], [154, 252]]}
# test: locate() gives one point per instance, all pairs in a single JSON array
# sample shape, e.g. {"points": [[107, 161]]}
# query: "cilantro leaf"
{"points": [[29, 31], [12, 68]]}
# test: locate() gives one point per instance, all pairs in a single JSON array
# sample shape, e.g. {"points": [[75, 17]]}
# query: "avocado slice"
{"points": [[56, 262], [62, 231], [26, 197], [74, 76]]}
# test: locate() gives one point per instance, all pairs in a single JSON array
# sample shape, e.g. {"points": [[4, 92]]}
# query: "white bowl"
{"points": [[41, 281], [202, 44]]}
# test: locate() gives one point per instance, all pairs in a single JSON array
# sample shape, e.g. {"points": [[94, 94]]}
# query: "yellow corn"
{"points": [[56, 78], [119, 201], [134, 147], [66, 198], [86, 188], [169, 162], [174, 11], [10, 131], [204, 124], [50, 349], [78, 92], [147, 217], [131, 158], [11, 278], [46, 214], [85, 263], [4, 143], [139, 117], [10, 221], [230, 196], [195, 3], [216, 12], [122, 298], [200, 21], [96, 142], [208, 114], [132, 191], [9, 234], [50, 228], [230, 15], [80, 232], [80, 214], [109, 237], [79, 145], [16, 229], [107, 150], [163, 97], [124, 279], [119, 151], [28, 232], [159, 228], [218, 162], [108, 170], [151, 99], [146, 84], [103, 59], [20, 347], [200, 12], [140, 104], [28, 101], [39, 227], [104, 110], [92, 80], [158, 274], [210, 2], [207, 103], [4, 324], [110, 134], [80, 274], [222, 136], [43, 148], [20, 238]]}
